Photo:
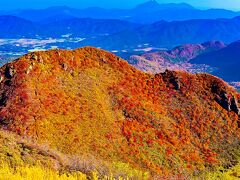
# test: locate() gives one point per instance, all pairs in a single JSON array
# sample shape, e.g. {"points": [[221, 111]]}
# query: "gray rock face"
{"points": [[228, 102], [104, 59], [10, 72], [34, 57], [176, 84], [171, 77], [64, 66], [234, 106]]}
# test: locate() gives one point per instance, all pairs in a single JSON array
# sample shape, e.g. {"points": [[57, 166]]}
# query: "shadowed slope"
{"points": [[226, 61]]}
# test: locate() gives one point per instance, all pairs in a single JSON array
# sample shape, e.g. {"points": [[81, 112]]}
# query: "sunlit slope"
{"points": [[90, 102]]}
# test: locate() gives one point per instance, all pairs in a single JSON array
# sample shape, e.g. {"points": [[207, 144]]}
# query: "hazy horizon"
{"points": [[125, 4]]}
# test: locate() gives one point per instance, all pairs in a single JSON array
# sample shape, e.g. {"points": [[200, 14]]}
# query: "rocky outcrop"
{"points": [[171, 77], [228, 102], [224, 97], [10, 72], [234, 106], [225, 102], [64, 66], [34, 57]]}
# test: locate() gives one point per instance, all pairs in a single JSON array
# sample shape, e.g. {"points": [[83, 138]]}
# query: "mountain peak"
{"points": [[152, 4], [214, 44], [235, 44]]}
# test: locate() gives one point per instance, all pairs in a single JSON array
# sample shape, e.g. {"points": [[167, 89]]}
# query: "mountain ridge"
{"points": [[126, 35], [170, 11], [15, 27], [177, 58], [225, 60], [171, 34]]}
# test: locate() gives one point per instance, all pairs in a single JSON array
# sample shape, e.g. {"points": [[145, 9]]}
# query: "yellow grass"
{"points": [[39, 172], [35, 172], [224, 174]]}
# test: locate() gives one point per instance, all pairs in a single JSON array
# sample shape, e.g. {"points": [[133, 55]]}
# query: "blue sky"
{"points": [[16, 4]]}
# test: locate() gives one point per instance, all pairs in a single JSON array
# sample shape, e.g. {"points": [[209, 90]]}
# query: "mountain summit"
{"points": [[153, 5]]}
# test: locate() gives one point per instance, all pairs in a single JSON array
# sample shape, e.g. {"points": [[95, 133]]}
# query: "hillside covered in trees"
{"points": [[91, 103]]}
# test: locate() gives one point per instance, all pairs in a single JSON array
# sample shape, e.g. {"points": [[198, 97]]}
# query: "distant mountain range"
{"points": [[213, 57], [11, 26], [148, 25], [122, 35], [152, 11], [86, 27], [171, 34], [148, 12], [176, 59], [15, 27]]}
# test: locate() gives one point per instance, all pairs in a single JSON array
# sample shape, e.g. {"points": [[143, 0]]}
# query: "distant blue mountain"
{"points": [[15, 27], [170, 34], [86, 27], [226, 61], [153, 6], [178, 14], [113, 34], [148, 12]]}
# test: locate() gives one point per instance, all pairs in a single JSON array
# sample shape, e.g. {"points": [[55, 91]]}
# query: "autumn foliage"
{"points": [[88, 101]]}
